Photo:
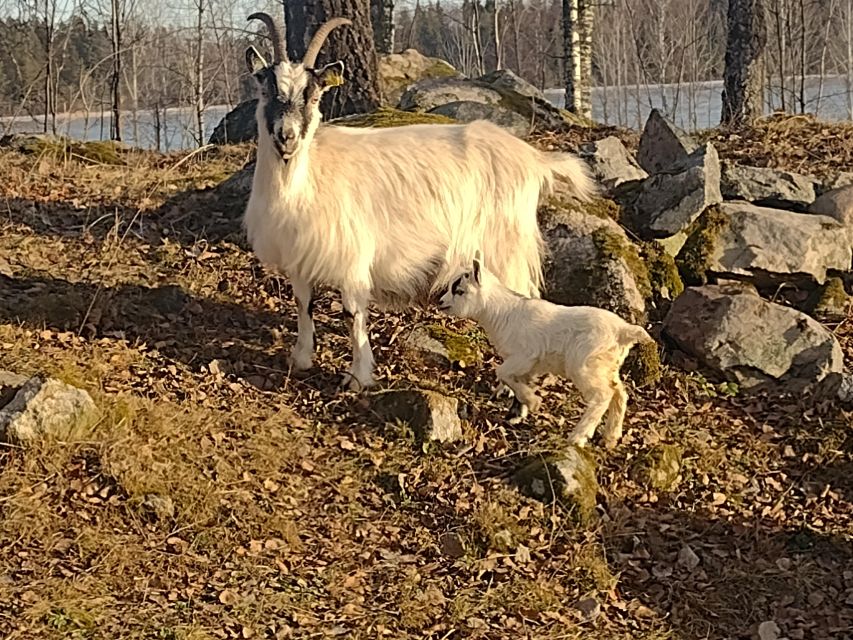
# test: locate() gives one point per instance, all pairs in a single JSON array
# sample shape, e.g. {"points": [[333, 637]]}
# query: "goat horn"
{"points": [[319, 38], [279, 49]]}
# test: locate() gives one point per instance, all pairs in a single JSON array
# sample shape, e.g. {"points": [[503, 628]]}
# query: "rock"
{"points": [[768, 630], [747, 340], [662, 144], [589, 608], [46, 408], [611, 163], [687, 558], [238, 125], [467, 111], [836, 204], [421, 343], [509, 81], [590, 261], [426, 96], [768, 246], [767, 187], [667, 203], [660, 467], [451, 545], [431, 415], [159, 507], [840, 179], [397, 71], [829, 301], [569, 477]]}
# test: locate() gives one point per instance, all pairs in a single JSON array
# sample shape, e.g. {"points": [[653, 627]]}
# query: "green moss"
{"points": [[663, 273], [97, 151], [616, 247], [460, 347], [660, 468], [695, 255], [388, 117], [830, 299], [643, 366]]}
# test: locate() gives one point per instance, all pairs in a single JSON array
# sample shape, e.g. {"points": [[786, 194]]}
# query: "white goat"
{"points": [[585, 344], [382, 214]]}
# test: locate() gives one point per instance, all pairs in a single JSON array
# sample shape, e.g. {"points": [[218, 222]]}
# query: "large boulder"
{"points": [[468, 111], [238, 125], [397, 71], [662, 144], [590, 261], [507, 80], [837, 204], [611, 163], [536, 111], [767, 246], [668, 202], [37, 408], [767, 187], [748, 340]]}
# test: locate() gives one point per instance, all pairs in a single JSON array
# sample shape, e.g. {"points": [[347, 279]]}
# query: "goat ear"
{"points": [[332, 75], [254, 60], [477, 270]]}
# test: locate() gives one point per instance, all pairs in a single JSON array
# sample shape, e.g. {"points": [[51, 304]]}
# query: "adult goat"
{"points": [[384, 215]]}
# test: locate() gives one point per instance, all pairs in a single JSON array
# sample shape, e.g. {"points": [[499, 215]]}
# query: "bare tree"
{"points": [[743, 77], [198, 70], [382, 18], [578, 21]]}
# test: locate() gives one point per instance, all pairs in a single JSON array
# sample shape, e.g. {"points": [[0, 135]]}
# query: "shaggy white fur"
{"points": [[383, 214], [584, 344]]}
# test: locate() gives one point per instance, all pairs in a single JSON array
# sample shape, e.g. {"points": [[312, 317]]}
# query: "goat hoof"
{"points": [[353, 383], [517, 412], [300, 363], [578, 441], [610, 443]]}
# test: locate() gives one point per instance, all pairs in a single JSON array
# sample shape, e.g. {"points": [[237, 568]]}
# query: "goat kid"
{"points": [[385, 215], [587, 345]]}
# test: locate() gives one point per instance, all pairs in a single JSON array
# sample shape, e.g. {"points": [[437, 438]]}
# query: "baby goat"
{"points": [[385, 215], [585, 344]]}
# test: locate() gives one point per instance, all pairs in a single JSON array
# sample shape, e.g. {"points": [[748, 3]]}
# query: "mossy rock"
{"points": [[643, 366], [617, 247], [829, 301], [568, 477], [461, 348], [660, 468], [388, 117], [665, 281], [702, 238], [61, 148]]}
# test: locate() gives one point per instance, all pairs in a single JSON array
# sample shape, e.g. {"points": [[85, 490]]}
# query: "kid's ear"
{"points": [[254, 60], [477, 269], [332, 75]]}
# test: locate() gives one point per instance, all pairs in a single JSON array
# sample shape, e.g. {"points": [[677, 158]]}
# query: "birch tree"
{"points": [[743, 76], [578, 22], [382, 19]]}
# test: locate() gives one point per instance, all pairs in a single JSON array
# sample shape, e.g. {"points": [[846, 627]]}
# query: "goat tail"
{"points": [[631, 334], [572, 170]]}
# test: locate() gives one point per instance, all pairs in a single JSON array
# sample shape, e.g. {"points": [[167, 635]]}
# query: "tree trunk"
{"points": [[115, 80], [743, 88], [198, 80], [850, 59], [491, 38], [382, 19], [578, 22], [353, 45]]}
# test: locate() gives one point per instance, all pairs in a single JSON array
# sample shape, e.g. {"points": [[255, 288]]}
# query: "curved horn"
{"points": [[319, 38], [279, 49]]}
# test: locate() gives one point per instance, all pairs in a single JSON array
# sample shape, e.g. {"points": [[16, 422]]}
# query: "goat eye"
{"points": [[456, 288]]}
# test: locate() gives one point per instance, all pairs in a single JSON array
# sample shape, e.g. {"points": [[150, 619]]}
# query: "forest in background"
{"points": [[59, 56]]}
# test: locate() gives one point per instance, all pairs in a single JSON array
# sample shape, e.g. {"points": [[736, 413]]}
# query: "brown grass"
{"points": [[220, 497]]}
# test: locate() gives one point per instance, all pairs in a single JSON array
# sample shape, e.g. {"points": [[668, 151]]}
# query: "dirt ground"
{"points": [[219, 497]]}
